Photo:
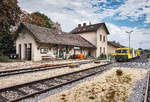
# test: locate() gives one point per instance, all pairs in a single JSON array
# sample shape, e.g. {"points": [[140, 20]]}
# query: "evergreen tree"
{"points": [[9, 14]]}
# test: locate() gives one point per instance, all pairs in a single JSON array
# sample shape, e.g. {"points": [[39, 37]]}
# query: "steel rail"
{"points": [[147, 88]]}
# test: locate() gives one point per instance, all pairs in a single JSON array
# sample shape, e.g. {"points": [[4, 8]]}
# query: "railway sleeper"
{"points": [[27, 90], [35, 88], [66, 78], [11, 95], [60, 80], [2, 99], [41, 86]]}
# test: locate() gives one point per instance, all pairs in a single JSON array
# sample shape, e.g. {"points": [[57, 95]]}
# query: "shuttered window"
{"points": [[100, 37], [104, 50], [104, 39], [100, 49]]}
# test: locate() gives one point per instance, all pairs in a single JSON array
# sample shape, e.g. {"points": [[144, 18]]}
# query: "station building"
{"points": [[112, 46], [36, 43]]}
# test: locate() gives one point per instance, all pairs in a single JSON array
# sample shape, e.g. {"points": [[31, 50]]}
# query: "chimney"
{"points": [[84, 26], [79, 26]]}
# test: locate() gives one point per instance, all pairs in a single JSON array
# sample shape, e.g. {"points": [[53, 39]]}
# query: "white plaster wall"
{"points": [[101, 31], [110, 49], [25, 38], [92, 38]]}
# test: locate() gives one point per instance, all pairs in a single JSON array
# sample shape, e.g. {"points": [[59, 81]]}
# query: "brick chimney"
{"points": [[79, 26], [84, 26]]}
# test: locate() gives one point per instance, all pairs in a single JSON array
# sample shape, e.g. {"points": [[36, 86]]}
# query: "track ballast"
{"points": [[27, 90]]}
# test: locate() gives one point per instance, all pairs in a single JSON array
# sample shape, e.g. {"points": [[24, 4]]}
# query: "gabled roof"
{"points": [[46, 35], [89, 28], [117, 45]]}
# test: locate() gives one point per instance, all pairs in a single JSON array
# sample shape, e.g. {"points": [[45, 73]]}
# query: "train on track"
{"points": [[126, 54]]}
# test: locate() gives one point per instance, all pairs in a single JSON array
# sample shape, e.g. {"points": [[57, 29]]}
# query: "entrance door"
{"points": [[29, 52], [19, 51], [25, 48]]}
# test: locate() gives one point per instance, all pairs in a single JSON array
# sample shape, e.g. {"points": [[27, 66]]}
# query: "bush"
{"points": [[4, 59], [119, 72], [102, 56]]}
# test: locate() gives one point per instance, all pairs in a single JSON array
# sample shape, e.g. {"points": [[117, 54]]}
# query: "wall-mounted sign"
{"points": [[77, 48]]}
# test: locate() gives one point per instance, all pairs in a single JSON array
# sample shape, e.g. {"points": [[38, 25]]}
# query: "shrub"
{"points": [[119, 72], [102, 56], [4, 59]]}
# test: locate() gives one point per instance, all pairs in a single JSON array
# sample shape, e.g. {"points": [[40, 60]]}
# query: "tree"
{"points": [[39, 19], [9, 15]]}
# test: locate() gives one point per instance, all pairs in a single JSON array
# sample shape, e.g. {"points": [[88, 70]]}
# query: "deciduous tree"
{"points": [[9, 15]]}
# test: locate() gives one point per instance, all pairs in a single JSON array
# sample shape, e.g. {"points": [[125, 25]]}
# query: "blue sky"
{"points": [[120, 16]]}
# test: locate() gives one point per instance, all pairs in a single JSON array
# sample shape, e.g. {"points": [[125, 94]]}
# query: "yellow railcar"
{"points": [[124, 54], [138, 52]]}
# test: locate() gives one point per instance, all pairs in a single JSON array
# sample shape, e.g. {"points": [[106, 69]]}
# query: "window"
{"points": [[104, 50], [55, 50], [124, 51], [118, 51], [100, 37], [44, 50], [100, 49], [104, 38]]}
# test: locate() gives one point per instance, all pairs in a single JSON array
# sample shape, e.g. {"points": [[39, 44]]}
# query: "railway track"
{"points": [[41, 68], [147, 90], [27, 90]]}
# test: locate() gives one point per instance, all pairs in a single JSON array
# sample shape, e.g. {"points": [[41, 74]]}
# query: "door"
{"points": [[29, 52], [25, 50], [20, 51]]}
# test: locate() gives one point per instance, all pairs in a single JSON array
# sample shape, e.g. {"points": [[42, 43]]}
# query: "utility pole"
{"points": [[129, 32]]}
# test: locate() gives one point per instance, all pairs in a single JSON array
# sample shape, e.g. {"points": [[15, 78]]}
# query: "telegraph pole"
{"points": [[129, 32]]}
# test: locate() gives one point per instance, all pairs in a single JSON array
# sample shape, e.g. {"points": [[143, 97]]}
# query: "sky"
{"points": [[120, 17]]}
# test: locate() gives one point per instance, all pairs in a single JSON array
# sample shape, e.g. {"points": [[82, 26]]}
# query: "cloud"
{"points": [[68, 13], [129, 9], [139, 37]]}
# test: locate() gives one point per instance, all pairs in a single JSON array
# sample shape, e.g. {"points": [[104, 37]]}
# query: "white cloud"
{"points": [[81, 11], [139, 38]]}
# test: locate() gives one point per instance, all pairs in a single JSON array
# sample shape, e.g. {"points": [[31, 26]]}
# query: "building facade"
{"points": [[37, 43], [112, 46], [95, 34]]}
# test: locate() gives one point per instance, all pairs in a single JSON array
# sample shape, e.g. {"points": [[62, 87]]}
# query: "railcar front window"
{"points": [[118, 51], [124, 51]]}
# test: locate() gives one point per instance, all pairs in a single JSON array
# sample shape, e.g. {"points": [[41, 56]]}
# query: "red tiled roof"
{"points": [[89, 28], [115, 44]]}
